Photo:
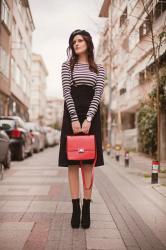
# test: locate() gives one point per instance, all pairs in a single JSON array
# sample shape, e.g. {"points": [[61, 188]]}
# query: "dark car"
{"points": [[5, 154], [21, 142]]}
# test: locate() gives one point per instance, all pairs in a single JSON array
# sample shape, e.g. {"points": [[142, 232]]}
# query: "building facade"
{"points": [[54, 111], [21, 59], [5, 50], [131, 65], [38, 99]]}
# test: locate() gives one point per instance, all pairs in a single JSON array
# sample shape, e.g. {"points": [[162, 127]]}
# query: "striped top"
{"points": [[82, 76]]}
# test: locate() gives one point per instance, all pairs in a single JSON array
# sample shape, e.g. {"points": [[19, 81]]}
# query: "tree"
{"points": [[157, 42]]}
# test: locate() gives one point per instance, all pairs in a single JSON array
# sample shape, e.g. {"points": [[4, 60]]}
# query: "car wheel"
{"points": [[7, 162], [21, 153], [38, 147]]}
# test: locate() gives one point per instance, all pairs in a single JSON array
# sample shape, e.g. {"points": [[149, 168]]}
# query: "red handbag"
{"points": [[82, 147]]}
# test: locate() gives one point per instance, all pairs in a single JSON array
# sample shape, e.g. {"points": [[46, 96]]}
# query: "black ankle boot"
{"points": [[85, 220], [75, 220]]}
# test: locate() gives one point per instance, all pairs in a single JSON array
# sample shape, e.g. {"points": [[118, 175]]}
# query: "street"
{"points": [[35, 208]]}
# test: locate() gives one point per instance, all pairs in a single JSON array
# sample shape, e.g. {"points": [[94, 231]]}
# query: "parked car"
{"points": [[43, 132], [5, 153], [50, 136], [37, 134], [21, 143], [57, 136]]}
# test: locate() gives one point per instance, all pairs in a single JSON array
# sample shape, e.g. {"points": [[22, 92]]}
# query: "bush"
{"points": [[147, 129]]}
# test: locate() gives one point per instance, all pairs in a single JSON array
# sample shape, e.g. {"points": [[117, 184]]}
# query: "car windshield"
{"points": [[7, 124]]}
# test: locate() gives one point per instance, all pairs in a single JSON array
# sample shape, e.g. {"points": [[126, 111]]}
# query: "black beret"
{"points": [[78, 32]]}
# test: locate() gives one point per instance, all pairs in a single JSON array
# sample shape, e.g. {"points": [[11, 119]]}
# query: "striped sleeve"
{"points": [[66, 85], [98, 92]]}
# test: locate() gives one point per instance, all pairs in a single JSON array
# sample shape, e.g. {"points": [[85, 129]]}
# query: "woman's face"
{"points": [[79, 45]]}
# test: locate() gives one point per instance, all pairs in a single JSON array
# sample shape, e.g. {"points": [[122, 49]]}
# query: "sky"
{"points": [[54, 21]]}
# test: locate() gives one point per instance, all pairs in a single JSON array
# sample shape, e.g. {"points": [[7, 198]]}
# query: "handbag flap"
{"points": [[81, 142]]}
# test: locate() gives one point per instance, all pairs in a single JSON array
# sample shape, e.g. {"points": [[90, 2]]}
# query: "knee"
{"points": [[72, 168]]}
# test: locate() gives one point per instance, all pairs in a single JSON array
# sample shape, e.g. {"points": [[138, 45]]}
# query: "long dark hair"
{"points": [[73, 57]]}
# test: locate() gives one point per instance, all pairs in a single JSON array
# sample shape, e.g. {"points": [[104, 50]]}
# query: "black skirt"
{"points": [[82, 96]]}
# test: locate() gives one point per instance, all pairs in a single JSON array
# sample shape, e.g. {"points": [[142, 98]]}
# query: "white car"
{"points": [[50, 136]]}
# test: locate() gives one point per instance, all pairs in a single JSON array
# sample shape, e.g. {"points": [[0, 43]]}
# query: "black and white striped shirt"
{"points": [[82, 75]]}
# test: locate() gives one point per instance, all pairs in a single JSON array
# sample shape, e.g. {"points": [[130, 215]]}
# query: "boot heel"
{"points": [[75, 219]]}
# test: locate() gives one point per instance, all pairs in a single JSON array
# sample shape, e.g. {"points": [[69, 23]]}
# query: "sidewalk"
{"points": [[141, 164], [35, 209]]}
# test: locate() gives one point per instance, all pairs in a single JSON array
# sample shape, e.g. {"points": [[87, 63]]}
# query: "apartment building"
{"points": [[103, 56], [132, 64], [38, 99], [5, 48], [54, 111], [21, 50]]}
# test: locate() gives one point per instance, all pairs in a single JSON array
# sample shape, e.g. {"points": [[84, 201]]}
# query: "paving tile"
{"points": [[24, 190], [42, 206], [64, 207], [54, 235], [99, 209], [103, 224], [10, 226], [52, 245], [101, 217], [103, 233], [35, 173], [2, 203], [110, 244], [15, 206], [11, 216], [35, 180], [14, 235]]}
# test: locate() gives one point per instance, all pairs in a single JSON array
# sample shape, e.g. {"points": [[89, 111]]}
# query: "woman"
{"points": [[83, 83]]}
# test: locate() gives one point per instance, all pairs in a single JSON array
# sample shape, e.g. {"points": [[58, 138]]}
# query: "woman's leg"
{"points": [[88, 176], [85, 220], [73, 175]]}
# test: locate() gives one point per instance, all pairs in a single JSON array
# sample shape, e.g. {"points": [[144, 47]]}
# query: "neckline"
{"points": [[83, 63]]}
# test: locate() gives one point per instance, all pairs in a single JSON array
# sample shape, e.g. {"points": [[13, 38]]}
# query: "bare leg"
{"points": [[73, 175], [88, 176]]}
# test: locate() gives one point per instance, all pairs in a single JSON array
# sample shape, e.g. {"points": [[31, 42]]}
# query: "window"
{"points": [[123, 17], [13, 69], [133, 39], [4, 62], [24, 83], [19, 39], [142, 77], [18, 75], [159, 8], [5, 14], [19, 5], [145, 26], [122, 91]]}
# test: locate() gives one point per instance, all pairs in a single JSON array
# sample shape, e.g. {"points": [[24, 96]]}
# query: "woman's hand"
{"points": [[86, 126], [76, 126]]}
